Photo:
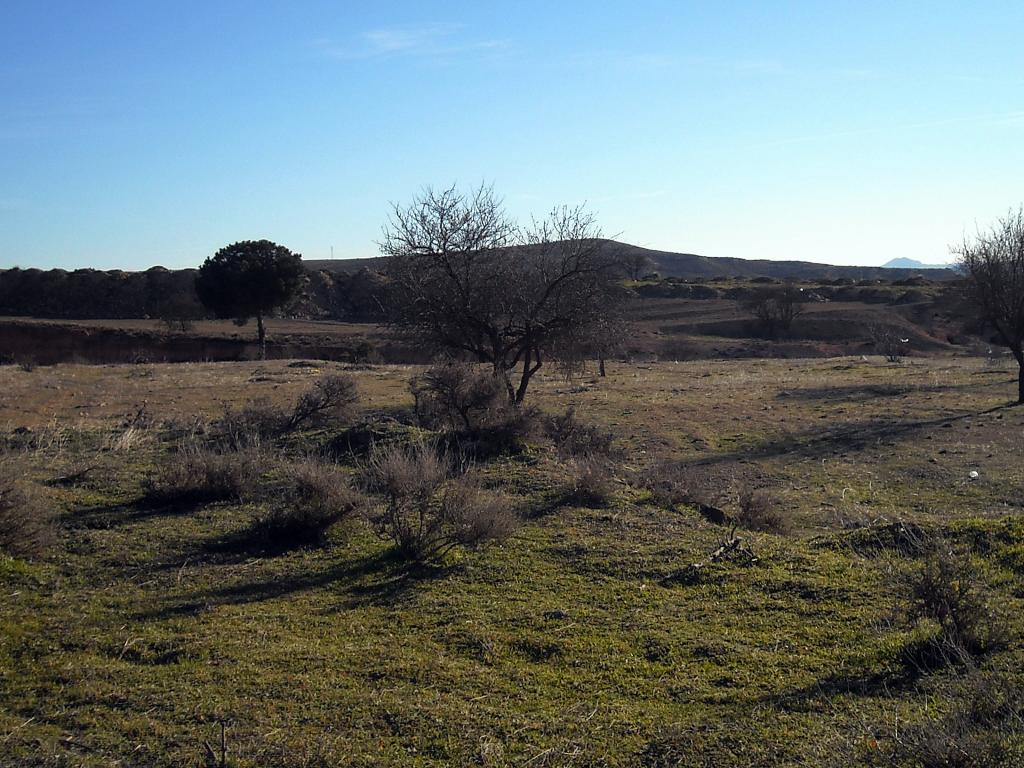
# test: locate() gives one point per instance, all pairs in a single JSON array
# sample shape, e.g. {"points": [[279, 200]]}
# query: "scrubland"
{"points": [[756, 562]]}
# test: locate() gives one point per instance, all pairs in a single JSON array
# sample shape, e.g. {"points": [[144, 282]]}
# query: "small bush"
{"points": [[505, 432], [946, 590], [457, 396], [759, 511], [571, 437], [331, 398], [471, 405], [197, 474], [249, 427], [887, 342], [427, 510], [672, 482], [312, 498], [26, 529], [588, 484]]}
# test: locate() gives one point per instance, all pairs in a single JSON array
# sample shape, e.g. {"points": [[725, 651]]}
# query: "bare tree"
{"points": [[636, 263], [463, 278], [776, 308], [888, 342], [993, 267]]}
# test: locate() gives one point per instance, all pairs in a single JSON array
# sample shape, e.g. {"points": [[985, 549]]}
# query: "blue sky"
{"points": [[134, 134]]}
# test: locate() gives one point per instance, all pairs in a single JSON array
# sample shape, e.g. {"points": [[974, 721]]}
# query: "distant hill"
{"points": [[694, 266], [904, 263]]}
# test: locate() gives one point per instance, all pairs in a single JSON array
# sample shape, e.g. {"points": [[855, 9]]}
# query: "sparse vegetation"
{"points": [[981, 729], [707, 643], [672, 482], [572, 437]]}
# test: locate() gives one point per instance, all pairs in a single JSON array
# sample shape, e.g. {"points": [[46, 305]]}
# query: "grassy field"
{"points": [[585, 639]]}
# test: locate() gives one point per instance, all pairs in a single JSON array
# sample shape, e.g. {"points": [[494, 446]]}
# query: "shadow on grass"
{"points": [[379, 579], [847, 437], [115, 515], [867, 683], [871, 391]]}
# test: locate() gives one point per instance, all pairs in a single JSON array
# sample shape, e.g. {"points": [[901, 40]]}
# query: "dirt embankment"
{"points": [[47, 343]]}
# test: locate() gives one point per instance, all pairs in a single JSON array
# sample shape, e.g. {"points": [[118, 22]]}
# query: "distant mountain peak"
{"points": [[905, 263]]}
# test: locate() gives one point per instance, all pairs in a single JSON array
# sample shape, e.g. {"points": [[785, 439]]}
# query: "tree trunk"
{"points": [[600, 366], [262, 334], [524, 380], [501, 373], [1020, 377]]}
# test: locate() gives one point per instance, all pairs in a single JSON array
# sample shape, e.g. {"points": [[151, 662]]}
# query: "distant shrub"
{"points": [[27, 364], [571, 437], [887, 342], [588, 483], [26, 529], [759, 511], [313, 497], [947, 590], [198, 474], [427, 510], [330, 398]]}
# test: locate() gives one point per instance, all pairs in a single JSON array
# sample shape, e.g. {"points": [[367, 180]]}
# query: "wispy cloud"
{"points": [[422, 41]]}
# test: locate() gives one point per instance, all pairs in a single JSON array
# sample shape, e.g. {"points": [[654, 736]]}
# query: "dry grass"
{"points": [[26, 528]]}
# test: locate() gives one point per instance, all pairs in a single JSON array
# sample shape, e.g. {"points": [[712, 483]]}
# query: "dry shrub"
{"points": [[887, 342], [26, 529], [759, 511], [471, 405], [673, 482], [947, 591], [571, 437], [982, 729], [506, 432], [313, 497], [247, 428], [457, 396], [197, 474], [330, 399], [427, 510], [588, 484]]}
